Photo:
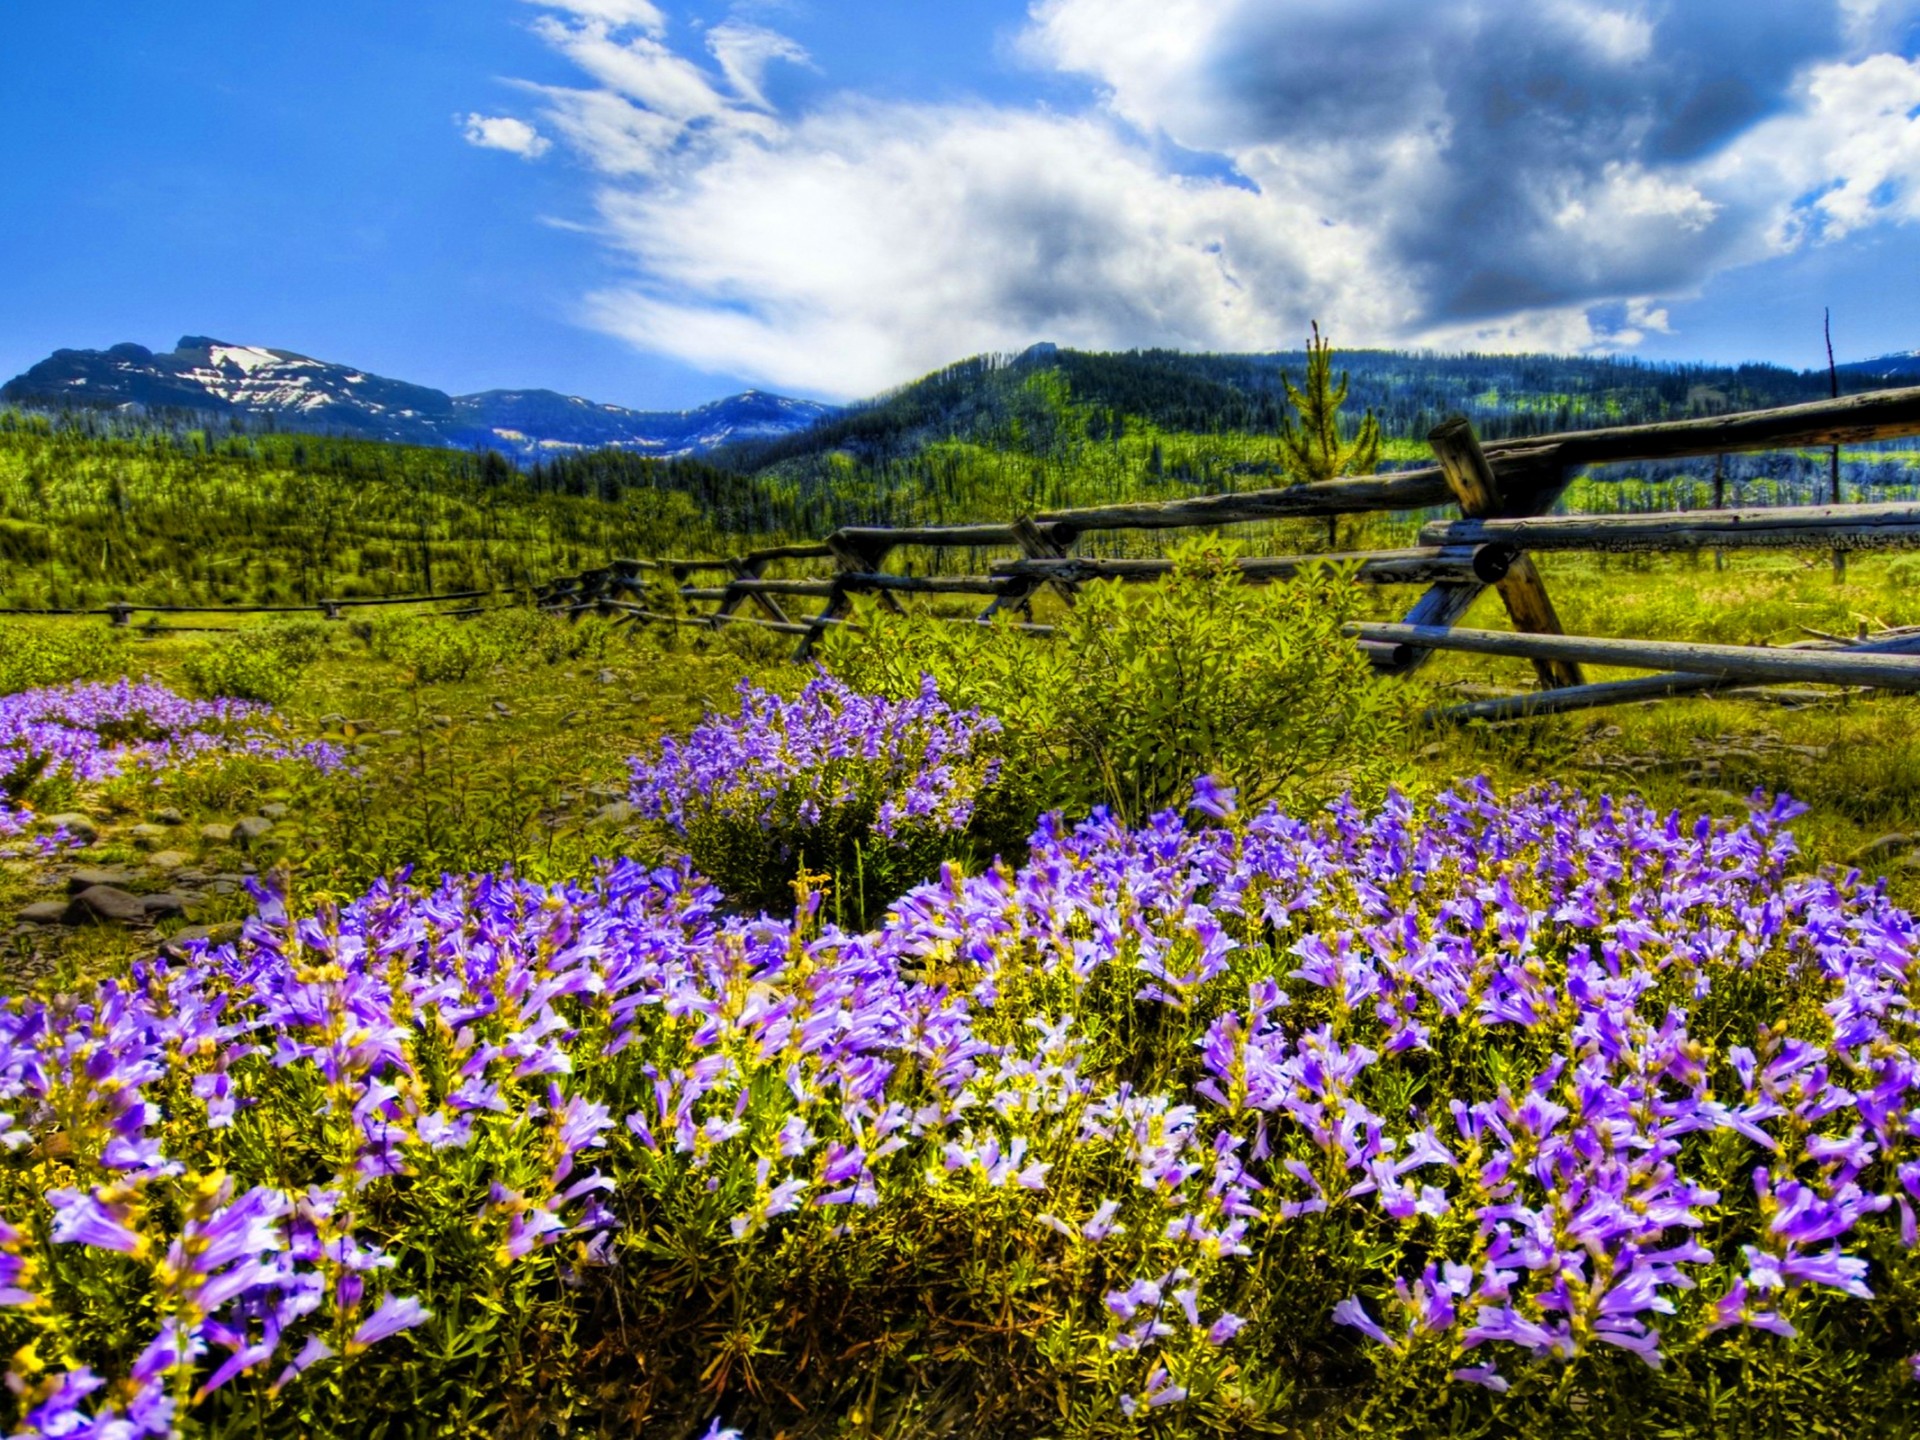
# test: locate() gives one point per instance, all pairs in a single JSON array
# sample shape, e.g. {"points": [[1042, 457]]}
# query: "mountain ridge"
{"points": [[293, 391]]}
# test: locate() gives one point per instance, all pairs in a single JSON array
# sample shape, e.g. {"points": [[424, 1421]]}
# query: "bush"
{"points": [[1452, 1121], [32, 656], [439, 650], [243, 668], [870, 791], [1142, 688], [298, 642]]}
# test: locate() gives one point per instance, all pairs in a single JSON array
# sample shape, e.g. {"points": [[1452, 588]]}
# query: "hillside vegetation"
{"points": [[95, 509]]}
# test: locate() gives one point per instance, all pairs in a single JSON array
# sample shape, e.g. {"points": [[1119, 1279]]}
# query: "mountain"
{"points": [[289, 391], [1047, 393], [1901, 368]]}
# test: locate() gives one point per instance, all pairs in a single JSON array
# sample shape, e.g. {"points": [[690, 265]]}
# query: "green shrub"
{"points": [[440, 650], [32, 656], [299, 642], [242, 671], [434, 650], [1144, 688]]}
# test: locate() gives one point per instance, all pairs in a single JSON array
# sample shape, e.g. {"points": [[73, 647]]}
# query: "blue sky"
{"points": [[654, 205]]}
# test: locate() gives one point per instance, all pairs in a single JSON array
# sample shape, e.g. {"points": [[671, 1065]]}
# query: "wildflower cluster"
{"points": [[90, 731], [833, 778], [1495, 1089]]}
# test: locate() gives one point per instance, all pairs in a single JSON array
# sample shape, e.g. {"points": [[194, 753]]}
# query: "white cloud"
{"points": [[639, 13], [1449, 172], [745, 51], [1849, 156], [503, 132], [874, 243]]}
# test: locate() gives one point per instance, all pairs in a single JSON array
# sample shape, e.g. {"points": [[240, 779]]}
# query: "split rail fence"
{"points": [[1503, 491]]}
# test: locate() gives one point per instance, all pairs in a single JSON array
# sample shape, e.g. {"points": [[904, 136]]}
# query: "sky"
{"points": [[655, 204]]}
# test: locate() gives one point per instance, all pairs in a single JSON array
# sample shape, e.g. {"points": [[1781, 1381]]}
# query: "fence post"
{"points": [[1472, 481], [752, 568], [119, 614]]}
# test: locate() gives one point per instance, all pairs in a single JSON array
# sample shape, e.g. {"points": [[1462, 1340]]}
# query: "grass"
{"points": [[512, 764]]}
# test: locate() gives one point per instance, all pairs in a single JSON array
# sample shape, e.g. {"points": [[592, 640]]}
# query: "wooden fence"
{"points": [[1502, 491], [120, 613]]}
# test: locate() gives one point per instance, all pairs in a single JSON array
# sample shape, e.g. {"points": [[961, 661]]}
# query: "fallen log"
{"points": [[1852, 420], [1419, 566], [1651, 687], [1823, 527], [1891, 671]]}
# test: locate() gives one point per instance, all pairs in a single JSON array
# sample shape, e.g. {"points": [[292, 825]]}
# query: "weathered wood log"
{"points": [[1850, 527], [688, 567], [812, 550], [856, 583], [1524, 593], [1651, 687], [709, 622], [751, 569], [931, 536], [932, 584], [1522, 465], [1406, 490], [744, 588], [1852, 420], [861, 553], [1746, 662], [1420, 566]]}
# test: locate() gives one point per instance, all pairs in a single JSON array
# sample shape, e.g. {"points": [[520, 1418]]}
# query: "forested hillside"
{"points": [[94, 508]]}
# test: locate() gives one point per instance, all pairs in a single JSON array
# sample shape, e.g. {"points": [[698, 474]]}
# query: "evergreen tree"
{"points": [[1312, 449]]}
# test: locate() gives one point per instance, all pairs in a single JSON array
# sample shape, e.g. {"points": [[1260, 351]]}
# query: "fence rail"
{"points": [[1502, 491], [121, 612]]}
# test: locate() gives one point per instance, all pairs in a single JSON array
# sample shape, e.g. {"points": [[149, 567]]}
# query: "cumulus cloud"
{"points": [[953, 232], [1448, 172], [503, 132]]}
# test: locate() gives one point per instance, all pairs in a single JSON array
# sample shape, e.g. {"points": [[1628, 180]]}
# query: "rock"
{"points": [[274, 810], [45, 912], [147, 836], [254, 827], [168, 861], [169, 817], [607, 677], [175, 945], [164, 904], [219, 834], [442, 722], [393, 732], [618, 813], [89, 876], [102, 903], [81, 827]]}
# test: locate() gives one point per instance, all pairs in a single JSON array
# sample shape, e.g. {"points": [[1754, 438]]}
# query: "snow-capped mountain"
{"points": [[297, 392], [1903, 366]]}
